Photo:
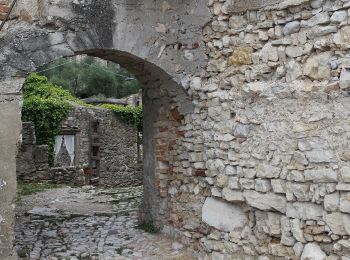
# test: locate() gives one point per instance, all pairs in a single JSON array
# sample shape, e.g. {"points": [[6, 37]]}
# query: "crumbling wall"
{"points": [[32, 162], [116, 141]]}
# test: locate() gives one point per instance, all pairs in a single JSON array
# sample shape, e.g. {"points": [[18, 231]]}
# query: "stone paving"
{"points": [[88, 223]]}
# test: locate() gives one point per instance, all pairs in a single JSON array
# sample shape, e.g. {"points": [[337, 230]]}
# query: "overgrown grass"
{"points": [[25, 189], [148, 226]]}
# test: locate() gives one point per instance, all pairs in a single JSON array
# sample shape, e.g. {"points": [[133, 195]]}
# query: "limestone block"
{"points": [[262, 185], [267, 171], [339, 16], [247, 184], [241, 56], [318, 31], [321, 175], [249, 173], [231, 195], [316, 67], [320, 156], [319, 18], [300, 191], [303, 127], [233, 183], [300, 158], [295, 176], [339, 223], [230, 170], [344, 80], [316, 3], [286, 238], [268, 222], [298, 248], [219, 26], [294, 71], [304, 210], [297, 231], [265, 201], [291, 27], [294, 51], [342, 38], [345, 202], [345, 173], [269, 53], [278, 186], [221, 180], [343, 186], [241, 131], [237, 22], [312, 251], [222, 215], [331, 201]]}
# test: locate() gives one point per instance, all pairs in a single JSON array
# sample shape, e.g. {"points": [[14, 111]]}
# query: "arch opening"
{"points": [[165, 105]]}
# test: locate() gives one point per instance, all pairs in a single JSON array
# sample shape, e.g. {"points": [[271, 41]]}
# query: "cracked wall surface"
{"points": [[246, 110]]}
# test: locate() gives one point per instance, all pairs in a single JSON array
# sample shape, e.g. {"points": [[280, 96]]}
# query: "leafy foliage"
{"points": [[46, 105], [129, 114], [25, 189], [91, 78], [148, 226]]}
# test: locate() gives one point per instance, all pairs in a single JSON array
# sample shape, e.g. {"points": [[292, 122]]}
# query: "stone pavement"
{"points": [[88, 223]]}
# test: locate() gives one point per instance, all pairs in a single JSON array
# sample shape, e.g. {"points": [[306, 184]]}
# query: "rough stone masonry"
{"points": [[246, 115]]}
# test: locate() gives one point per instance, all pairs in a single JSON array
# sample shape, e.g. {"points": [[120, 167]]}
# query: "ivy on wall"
{"points": [[46, 105], [129, 114]]}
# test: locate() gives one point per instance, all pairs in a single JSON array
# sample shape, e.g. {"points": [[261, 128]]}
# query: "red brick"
{"points": [[4, 2], [4, 9], [163, 129], [176, 115], [200, 173], [180, 133]]}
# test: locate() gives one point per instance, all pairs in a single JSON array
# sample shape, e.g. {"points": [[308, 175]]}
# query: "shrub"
{"points": [[129, 114], [46, 105]]}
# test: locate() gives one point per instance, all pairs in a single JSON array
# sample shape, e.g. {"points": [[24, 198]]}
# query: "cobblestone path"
{"points": [[75, 223]]}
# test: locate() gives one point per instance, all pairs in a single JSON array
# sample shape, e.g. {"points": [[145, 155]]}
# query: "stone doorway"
{"points": [[43, 228], [118, 31]]}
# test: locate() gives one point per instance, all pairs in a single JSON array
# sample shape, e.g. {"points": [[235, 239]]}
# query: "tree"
{"points": [[89, 77]]}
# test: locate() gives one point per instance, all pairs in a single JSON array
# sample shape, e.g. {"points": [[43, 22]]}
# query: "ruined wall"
{"points": [[32, 161], [117, 140]]}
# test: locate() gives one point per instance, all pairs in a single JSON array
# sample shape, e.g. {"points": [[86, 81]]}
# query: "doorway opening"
{"points": [[79, 169]]}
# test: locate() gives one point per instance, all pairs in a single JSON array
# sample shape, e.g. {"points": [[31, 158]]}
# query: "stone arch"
{"points": [[159, 49]]}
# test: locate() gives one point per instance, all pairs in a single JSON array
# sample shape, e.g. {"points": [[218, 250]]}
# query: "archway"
{"points": [[163, 59], [163, 115]]}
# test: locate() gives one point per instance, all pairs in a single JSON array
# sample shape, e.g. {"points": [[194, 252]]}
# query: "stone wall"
{"points": [[118, 164], [273, 109], [32, 160]]}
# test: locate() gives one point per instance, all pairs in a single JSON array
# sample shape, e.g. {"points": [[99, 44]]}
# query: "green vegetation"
{"points": [[25, 189], [148, 227], [129, 114], [46, 105], [119, 250], [91, 78]]}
